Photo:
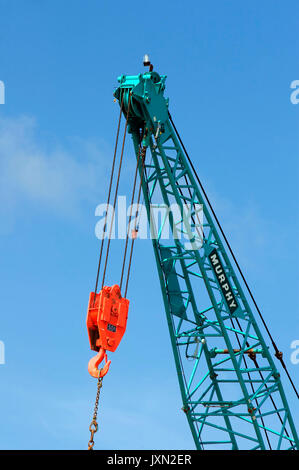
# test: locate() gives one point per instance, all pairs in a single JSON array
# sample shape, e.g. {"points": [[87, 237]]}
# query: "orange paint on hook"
{"points": [[93, 365]]}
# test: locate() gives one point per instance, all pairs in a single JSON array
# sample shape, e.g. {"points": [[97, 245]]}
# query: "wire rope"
{"points": [[278, 354]]}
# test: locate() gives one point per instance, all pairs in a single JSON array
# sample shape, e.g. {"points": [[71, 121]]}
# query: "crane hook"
{"points": [[94, 363]]}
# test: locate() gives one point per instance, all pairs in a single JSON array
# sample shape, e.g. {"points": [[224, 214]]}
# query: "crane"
{"points": [[231, 389]]}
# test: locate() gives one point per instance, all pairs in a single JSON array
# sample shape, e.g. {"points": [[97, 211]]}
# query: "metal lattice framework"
{"points": [[231, 389]]}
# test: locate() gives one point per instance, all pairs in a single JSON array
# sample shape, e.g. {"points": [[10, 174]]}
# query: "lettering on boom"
{"points": [[223, 281]]}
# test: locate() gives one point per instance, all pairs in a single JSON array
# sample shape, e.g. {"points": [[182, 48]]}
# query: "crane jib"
{"points": [[223, 281]]}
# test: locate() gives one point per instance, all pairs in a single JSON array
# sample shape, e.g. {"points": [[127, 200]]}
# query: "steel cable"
{"points": [[278, 354], [130, 217], [143, 154], [116, 190], [108, 200]]}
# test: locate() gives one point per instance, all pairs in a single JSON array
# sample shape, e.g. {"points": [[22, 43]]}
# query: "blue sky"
{"points": [[229, 66]]}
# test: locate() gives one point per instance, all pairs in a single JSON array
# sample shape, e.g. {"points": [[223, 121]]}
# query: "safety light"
{"points": [[146, 60]]}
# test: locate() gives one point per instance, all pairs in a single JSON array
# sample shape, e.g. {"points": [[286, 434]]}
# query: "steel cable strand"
{"points": [[130, 217], [143, 154], [116, 190], [278, 354], [108, 200]]}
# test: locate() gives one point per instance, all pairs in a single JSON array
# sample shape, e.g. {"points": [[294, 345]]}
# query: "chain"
{"points": [[93, 427]]}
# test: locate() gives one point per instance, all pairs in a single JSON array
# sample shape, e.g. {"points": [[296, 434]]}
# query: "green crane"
{"points": [[231, 389]]}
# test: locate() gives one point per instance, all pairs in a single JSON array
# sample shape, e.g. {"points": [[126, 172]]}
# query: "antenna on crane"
{"points": [[147, 62]]}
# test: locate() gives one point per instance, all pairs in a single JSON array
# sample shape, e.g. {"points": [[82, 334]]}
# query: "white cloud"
{"points": [[49, 175]]}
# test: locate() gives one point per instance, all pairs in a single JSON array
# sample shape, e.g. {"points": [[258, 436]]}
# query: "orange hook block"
{"points": [[106, 323]]}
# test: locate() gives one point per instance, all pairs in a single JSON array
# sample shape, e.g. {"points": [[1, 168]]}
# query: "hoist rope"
{"points": [[108, 200], [94, 425], [278, 354], [143, 154], [130, 217], [116, 190]]}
